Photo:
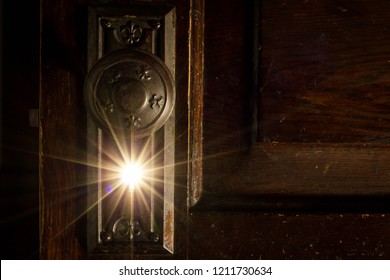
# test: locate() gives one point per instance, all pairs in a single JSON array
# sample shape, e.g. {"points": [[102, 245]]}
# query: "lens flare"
{"points": [[131, 175]]}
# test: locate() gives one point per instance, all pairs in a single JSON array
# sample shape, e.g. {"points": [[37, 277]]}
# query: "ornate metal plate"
{"points": [[130, 92]]}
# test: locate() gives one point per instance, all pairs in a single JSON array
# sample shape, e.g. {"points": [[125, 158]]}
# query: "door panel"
{"points": [[255, 235], [325, 71], [319, 160], [286, 159], [281, 129]]}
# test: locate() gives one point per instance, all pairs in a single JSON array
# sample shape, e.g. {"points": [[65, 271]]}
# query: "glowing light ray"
{"points": [[196, 159], [109, 154], [131, 175], [113, 157], [76, 219], [112, 177], [156, 155], [124, 153], [156, 194], [140, 158], [119, 198], [115, 169], [117, 159], [165, 181], [76, 161], [116, 186], [144, 200], [146, 148], [122, 150], [145, 185]]}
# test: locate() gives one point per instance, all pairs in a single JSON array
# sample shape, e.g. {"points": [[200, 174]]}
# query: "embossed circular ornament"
{"points": [[130, 92]]}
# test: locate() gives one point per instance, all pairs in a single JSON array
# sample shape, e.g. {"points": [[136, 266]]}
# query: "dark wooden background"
{"points": [[19, 181], [325, 71], [313, 185]]}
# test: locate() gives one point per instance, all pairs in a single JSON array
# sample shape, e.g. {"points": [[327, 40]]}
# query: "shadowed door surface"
{"points": [[281, 129]]}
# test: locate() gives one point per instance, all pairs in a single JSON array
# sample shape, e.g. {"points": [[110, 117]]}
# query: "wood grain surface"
{"points": [[320, 164], [325, 71], [239, 235], [321, 161]]}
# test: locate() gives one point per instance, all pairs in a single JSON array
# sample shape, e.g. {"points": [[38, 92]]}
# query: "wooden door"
{"points": [[70, 146], [295, 137], [281, 129]]}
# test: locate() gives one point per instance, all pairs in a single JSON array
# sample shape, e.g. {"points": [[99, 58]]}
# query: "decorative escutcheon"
{"points": [[130, 92]]}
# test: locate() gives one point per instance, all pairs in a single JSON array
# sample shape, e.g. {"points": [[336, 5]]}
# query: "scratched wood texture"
{"points": [[62, 123], [251, 235], [323, 79], [319, 166], [326, 71]]}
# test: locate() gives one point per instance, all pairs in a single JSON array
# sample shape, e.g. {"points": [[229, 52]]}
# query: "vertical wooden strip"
{"points": [[195, 100], [169, 183], [152, 147], [95, 144], [61, 121], [182, 127], [169, 140]]}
